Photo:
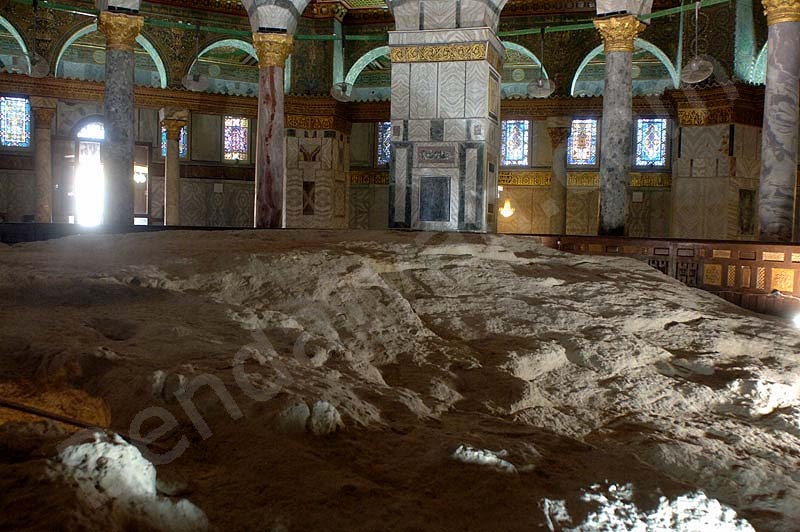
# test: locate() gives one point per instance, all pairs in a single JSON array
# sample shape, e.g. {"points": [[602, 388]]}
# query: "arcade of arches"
{"points": [[223, 116]]}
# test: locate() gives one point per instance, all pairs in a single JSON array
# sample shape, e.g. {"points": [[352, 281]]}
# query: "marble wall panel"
{"points": [[583, 210], [70, 114], [521, 199], [423, 91], [149, 129], [401, 91], [476, 101], [452, 86], [17, 195], [206, 137], [362, 144], [437, 14]]}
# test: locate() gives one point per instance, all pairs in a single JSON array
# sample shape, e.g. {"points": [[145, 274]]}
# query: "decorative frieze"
{"points": [[650, 180], [525, 178], [583, 179], [317, 123], [443, 53], [369, 177]]}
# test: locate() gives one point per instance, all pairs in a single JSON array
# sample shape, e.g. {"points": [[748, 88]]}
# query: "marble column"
{"points": [[776, 204], [172, 121], [272, 50], [117, 150], [616, 131], [558, 129], [44, 110]]}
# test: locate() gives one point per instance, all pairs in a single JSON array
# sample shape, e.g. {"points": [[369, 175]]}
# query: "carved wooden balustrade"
{"points": [[760, 277]]}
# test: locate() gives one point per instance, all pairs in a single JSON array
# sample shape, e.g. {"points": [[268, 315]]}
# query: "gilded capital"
{"points": [[173, 128], [619, 32], [558, 135], [43, 117], [272, 48], [778, 11], [120, 30]]}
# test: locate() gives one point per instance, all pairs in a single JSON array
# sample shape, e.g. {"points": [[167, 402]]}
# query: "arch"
{"points": [[140, 39], [363, 61], [234, 80], [640, 44], [379, 93], [758, 72], [14, 33], [527, 53]]}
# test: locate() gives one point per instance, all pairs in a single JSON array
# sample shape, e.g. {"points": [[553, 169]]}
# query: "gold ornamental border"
{"points": [[524, 178], [778, 11], [316, 123], [705, 116], [583, 179], [650, 180], [368, 177], [442, 53]]}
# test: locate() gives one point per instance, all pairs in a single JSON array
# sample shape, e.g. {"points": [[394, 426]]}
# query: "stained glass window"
{"points": [[15, 122], [237, 136], [515, 142], [582, 143], [651, 142], [384, 143], [183, 143]]}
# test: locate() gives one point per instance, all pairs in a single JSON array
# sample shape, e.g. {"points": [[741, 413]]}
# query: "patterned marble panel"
{"points": [[703, 141], [687, 211], [746, 167], [292, 152], [747, 142], [583, 210], [156, 197], [541, 147], [455, 130], [17, 195], [452, 84], [438, 14], [423, 91], [193, 202], [704, 167], [419, 130], [215, 204], [401, 91], [476, 102], [714, 203], [540, 220]]}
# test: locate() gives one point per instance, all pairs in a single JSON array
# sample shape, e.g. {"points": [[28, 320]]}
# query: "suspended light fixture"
{"points": [[507, 211], [698, 69], [541, 87], [342, 91]]}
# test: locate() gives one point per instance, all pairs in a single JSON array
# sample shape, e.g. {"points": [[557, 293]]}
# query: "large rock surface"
{"points": [[325, 380]]}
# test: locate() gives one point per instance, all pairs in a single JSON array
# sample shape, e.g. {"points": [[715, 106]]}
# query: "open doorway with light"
{"points": [[89, 188]]}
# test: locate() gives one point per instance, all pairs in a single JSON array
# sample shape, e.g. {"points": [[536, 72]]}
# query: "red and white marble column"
{"points": [[269, 210]]}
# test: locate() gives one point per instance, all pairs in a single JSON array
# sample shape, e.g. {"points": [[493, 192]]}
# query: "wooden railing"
{"points": [[760, 277]]}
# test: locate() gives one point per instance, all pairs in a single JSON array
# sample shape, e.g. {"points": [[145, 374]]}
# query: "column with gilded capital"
{"points": [[618, 34], [558, 129], [272, 50], [173, 120], [44, 110], [776, 205], [120, 31]]}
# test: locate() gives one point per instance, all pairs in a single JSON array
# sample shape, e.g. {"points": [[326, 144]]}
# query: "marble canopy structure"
{"points": [[448, 88]]}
